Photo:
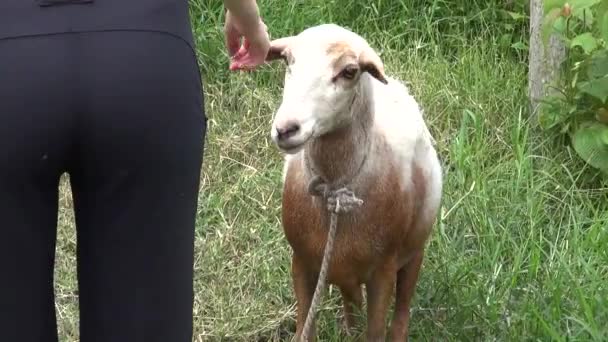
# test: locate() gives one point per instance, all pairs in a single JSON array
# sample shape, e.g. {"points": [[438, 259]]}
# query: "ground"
{"points": [[519, 248]]}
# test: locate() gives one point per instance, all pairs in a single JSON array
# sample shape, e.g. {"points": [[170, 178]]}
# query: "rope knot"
{"points": [[339, 201]]}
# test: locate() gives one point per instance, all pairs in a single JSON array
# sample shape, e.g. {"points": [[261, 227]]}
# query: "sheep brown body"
{"points": [[382, 150], [375, 234], [373, 242]]}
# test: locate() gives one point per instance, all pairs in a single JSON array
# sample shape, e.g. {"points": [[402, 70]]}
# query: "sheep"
{"points": [[343, 120]]}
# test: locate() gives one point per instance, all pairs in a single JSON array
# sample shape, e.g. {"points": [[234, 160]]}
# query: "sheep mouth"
{"points": [[293, 147]]}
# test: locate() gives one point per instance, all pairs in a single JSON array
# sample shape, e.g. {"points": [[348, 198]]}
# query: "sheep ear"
{"points": [[277, 47], [370, 62]]}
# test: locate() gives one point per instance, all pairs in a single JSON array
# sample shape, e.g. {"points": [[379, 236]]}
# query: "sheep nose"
{"points": [[287, 130]]}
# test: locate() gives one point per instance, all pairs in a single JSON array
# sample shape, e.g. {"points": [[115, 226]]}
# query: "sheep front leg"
{"points": [[407, 277], [379, 295], [304, 284], [352, 300]]}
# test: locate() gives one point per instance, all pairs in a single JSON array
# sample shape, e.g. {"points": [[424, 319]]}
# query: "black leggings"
{"points": [[122, 114]]}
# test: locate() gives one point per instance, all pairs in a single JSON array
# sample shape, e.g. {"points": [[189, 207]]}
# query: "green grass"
{"points": [[519, 250]]}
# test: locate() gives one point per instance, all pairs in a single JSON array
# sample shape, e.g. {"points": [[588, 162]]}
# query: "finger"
{"points": [[246, 43], [232, 39], [240, 53], [249, 56], [235, 66], [232, 43], [231, 35], [247, 63], [238, 64], [242, 64], [253, 58]]}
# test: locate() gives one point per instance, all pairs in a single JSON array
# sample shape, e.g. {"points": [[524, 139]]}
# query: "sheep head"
{"points": [[325, 64]]}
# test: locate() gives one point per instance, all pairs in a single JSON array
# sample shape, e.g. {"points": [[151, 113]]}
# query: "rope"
{"points": [[338, 201]]}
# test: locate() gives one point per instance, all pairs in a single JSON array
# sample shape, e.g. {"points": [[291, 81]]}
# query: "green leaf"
{"points": [[519, 46], [575, 77], [598, 67], [505, 39], [580, 5], [581, 9], [602, 20], [548, 23], [605, 137], [602, 8], [560, 25], [597, 88], [550, 5], [603, 27], [584, 15], [516, 15], [586, 41], [553, 111], [589, 143]]}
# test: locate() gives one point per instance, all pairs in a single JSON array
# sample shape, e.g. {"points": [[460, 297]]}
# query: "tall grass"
{"points": [[519, 249]]}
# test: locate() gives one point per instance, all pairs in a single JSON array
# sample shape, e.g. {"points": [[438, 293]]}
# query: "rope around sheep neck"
{"points": [[339, 201]]}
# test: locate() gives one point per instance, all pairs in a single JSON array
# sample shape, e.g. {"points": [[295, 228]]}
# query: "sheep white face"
{"points": [[324, 65]]}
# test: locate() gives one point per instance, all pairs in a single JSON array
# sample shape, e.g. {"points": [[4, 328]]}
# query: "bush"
{"points": [[579, 106]]}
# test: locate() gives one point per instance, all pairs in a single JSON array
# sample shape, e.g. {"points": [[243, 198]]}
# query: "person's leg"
{"points": [[136, 189], [34, 141]]}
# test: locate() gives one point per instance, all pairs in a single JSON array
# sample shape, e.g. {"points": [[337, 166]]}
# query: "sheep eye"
{"points": [[349, 72]]}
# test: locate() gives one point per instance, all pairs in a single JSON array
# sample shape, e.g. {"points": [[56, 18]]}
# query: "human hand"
{"points": [[252, 50]]}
